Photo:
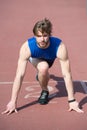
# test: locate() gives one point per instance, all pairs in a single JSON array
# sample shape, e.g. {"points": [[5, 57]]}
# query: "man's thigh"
{"points": [[35, 61]]}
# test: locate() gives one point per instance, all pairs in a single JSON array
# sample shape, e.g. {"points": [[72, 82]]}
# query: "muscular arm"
{"points": [[21, 68], [18, 78], [22, 63], [66, 71]]}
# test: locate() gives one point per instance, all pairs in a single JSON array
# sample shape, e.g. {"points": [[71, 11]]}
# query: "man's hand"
{"points": [[11, 107], [75, 106]]}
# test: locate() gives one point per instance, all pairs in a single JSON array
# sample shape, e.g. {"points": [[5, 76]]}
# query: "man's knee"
{"points": [[43, 67]]}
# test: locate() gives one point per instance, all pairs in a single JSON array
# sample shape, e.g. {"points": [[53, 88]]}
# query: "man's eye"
{"points": [[39, 36]]}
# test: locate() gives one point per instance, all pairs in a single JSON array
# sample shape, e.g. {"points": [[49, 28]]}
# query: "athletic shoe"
{"points": [[43, 99]]}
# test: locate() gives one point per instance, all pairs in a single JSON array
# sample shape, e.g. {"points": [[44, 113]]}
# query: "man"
{"points": [[41, 50]]}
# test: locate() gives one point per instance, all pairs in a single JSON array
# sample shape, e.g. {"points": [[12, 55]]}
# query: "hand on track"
{"points": [[75, 106], [11, 107]]}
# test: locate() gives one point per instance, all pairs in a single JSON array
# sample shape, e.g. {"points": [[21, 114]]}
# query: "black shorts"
{"points": [[34, 61], [50, 62]]}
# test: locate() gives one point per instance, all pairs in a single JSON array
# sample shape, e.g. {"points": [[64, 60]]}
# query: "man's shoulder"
{"points": [[24, 50], [62, 51], [32, 39]]}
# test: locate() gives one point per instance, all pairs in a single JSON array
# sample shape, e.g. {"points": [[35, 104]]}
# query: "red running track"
{"points": [[69, 19]]}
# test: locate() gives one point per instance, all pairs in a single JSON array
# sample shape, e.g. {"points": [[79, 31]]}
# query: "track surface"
{"points": [[69, 18]]}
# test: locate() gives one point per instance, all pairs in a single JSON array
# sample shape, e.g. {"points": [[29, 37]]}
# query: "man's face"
{"points": [[42, 39]]}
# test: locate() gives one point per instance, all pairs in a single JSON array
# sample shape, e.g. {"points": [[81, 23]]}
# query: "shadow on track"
{"points": [[60, 86]]}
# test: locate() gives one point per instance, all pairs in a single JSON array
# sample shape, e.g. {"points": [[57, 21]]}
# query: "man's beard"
{"points": [[46, 43]]}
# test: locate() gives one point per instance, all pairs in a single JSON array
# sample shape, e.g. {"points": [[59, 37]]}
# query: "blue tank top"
{"points": [[49, 53]]}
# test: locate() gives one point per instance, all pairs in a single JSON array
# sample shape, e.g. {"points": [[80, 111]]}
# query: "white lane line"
{"points": [[33, 92], [35, 82], [84, 86], [27, 82], [7, 83]]}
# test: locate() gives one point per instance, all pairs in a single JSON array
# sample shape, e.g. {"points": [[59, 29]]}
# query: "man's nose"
{"points": [[42, 38]]}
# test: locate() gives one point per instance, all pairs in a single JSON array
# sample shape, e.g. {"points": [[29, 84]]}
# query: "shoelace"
{"points": [[43, 96]]}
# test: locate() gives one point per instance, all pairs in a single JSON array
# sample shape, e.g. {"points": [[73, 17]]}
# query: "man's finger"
{"points": [[16, 111], [69, 109], [4, 112], [80, 111], [9, 112], [77, 110]]}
